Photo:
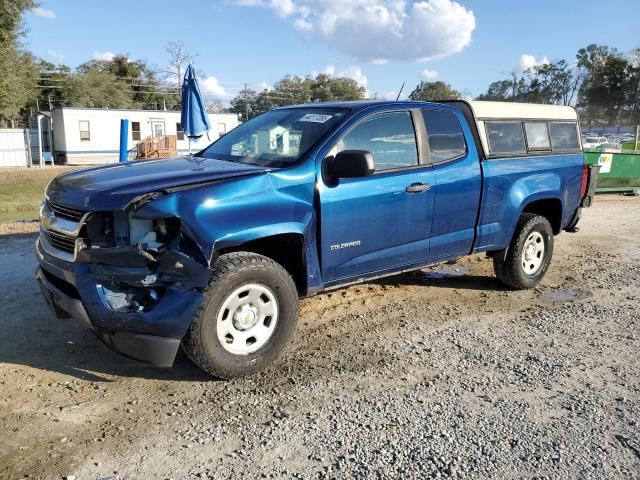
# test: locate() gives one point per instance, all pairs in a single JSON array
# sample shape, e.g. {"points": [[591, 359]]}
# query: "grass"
{"points": [[21, 192]]}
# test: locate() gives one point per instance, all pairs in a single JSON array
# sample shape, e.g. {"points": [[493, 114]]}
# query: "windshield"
{"points": [[277, 138]]}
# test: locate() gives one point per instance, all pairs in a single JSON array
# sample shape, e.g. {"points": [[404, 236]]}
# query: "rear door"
{"points": [[380, 222], [457, 187]]}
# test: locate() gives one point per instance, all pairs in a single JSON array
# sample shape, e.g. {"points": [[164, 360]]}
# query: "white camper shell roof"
{"points": [[505, 111]]}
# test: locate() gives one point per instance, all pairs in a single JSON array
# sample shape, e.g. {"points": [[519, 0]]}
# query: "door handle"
{"points": [[418, 187]]}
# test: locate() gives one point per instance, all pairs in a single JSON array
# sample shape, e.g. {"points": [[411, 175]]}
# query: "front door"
{"points": [[157, 128], [380, 222]]}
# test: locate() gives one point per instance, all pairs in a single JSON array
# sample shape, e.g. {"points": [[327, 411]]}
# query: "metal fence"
{"points": [[14, 148]]}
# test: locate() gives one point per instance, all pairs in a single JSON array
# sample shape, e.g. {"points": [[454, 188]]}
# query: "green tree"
{"points": [[327, 89], [606, 86], [293, 90], [432, 91], [100, 90], [138, 79], [244, 104], [18, 71]]}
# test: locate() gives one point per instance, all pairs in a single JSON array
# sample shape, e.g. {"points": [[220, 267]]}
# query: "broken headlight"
{"points": [[153, 233], [120, 298]]}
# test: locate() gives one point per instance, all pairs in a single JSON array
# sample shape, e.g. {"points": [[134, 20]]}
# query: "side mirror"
{"points": [[353, 164]]}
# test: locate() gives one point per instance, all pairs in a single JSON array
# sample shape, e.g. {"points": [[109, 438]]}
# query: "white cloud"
{"points": [[103, 56], [44, 13], [380, 30], [528, 61], [211, 86], [55, 56], [427, 74], [353, 72], [302, 25]]}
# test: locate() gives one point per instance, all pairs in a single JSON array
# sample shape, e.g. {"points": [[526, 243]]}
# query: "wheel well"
{"points": [[287, 249], [550, 208]]}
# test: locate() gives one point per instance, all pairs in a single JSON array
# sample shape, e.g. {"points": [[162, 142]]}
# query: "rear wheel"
{"points": [[248, 317], [528, 256]]}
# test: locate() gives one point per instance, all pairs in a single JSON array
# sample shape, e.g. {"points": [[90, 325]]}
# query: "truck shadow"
{"points": [[445, 278], [37, 340]]}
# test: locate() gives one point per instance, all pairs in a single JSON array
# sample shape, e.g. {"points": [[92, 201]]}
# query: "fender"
{"points": [[506, 199], [227, 214]]}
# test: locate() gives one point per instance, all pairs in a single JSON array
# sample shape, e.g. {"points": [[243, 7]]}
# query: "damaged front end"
{"points": [[136, 282]]}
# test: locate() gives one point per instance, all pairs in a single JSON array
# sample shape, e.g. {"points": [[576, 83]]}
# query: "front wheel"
{"points": [[248, 317], [528, 256]]}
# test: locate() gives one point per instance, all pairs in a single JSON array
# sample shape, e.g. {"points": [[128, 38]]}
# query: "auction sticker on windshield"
{"points": [[315, 118]]}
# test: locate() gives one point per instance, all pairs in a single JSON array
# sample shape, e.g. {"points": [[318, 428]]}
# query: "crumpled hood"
{"points": [[112, 187]]}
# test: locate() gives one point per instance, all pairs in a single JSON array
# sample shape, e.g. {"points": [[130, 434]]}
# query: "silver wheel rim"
{"points": [[247, 319], [533, 253]]}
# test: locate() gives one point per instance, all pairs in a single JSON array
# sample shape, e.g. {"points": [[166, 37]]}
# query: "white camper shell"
{"points": [[523, 129]]}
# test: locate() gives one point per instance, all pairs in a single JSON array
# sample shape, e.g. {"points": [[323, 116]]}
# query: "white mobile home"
{"points": [[92, 135]]}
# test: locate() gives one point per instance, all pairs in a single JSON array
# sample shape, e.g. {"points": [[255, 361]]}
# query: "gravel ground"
{"points": [[435, 374]]}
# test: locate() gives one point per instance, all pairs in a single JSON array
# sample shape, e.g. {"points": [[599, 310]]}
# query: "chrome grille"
{"points": [[69, 213], [61, 241]]}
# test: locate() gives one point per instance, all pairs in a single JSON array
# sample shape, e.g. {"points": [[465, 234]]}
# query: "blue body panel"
{"points": [[511, 184], [458, 185]]}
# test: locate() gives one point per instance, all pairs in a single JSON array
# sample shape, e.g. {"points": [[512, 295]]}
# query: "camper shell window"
{"points": [[564, 136], [505, 138], [537, 136], [517, 138]]}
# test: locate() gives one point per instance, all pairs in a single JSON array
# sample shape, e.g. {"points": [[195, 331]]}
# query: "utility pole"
{"points": [[246, 103], [50, 107]]}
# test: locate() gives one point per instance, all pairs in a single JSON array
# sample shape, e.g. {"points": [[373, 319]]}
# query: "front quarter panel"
{"points": [[233, 212]]}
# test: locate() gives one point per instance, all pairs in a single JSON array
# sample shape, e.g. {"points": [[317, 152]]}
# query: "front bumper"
{"points": [[70, 289]]}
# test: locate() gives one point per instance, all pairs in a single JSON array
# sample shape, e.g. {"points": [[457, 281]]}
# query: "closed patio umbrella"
{"points": [[194, 119]]}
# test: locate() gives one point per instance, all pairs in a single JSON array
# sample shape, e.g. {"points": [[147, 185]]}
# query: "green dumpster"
{"points": [[619, 172]]}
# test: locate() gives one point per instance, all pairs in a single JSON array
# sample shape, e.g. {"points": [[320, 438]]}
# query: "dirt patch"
{"points": [[436, 375]]}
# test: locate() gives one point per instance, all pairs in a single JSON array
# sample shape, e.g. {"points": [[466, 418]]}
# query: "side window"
{"points": [[388, 136], [537, 135], [85, 134], [505, 137], [135, 130], [446, 140], [564, 136]]}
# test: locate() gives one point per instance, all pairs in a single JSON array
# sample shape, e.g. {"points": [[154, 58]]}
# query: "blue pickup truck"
{"points": [[213, 251]]}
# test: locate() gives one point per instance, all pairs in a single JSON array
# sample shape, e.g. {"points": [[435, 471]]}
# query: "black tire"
{"points": [[509, 268], [230, 272]]}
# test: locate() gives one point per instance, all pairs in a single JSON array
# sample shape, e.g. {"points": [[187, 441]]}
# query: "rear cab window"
{"points": [[445, 135]]}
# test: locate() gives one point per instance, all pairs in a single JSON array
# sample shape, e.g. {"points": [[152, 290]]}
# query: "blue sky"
{"points": [[380, 43]]}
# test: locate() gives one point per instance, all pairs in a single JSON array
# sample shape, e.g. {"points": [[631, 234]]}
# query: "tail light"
{"points": [[585, 179]]}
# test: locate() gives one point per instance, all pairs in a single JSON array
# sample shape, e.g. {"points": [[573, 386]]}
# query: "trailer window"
{"points": [[446, 140], [179, 132], [537, 136], [505, 137], [135, 130], [85, 134], [564, 136]]}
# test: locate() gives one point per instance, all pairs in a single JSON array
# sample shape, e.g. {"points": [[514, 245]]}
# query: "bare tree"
{"points": [[179, 56]]}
